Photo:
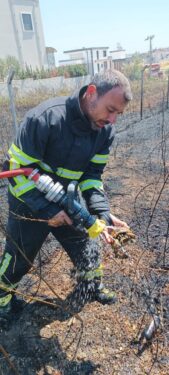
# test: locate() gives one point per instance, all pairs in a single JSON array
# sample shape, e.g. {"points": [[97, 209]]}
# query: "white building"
{"points": [[21, 32], [96, 59], [118, 58]]}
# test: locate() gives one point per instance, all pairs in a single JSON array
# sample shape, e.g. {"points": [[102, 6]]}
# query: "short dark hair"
{"points": [[111, 79]]}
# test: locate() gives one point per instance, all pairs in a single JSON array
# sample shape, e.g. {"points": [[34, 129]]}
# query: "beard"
{"points": [[94, 126], [93, 121]]}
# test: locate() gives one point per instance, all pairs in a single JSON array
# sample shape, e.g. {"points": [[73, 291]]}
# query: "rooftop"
{"points": [[85, 49]]}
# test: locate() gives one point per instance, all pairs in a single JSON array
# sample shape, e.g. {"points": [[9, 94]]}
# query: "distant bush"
{"points": [[28, 72], [6, 64], [73, 70]]}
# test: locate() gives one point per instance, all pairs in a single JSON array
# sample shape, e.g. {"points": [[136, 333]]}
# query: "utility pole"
{"points": [[150, 37]]}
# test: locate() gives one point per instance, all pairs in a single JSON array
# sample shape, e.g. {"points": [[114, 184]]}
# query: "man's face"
{"points": [[103, 110]]}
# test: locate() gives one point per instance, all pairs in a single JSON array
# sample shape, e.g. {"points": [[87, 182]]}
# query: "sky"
{"points": [[73, 24]]}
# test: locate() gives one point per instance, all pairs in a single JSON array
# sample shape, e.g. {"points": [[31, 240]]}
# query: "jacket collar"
{"points": [[79, 123]]}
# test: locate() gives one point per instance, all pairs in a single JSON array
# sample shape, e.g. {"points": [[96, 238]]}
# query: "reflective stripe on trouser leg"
{"points": [[5, 263], [24, 240], [5, 297]]}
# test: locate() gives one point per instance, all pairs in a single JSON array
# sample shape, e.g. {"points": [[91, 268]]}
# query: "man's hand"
{"points": [[106, 234], [60, 219], [117, 222]]}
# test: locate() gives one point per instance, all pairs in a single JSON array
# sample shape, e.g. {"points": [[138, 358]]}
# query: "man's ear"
{"points": [[91, 89]]}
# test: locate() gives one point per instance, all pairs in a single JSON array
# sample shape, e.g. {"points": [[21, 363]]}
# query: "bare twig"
{"points": [[10, 363]]}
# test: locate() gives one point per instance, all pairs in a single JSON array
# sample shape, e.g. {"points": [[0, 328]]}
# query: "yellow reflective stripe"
{"points": [[5, 263], [67, 173], [20, 156], [13, 164], [21, 188], [20, 180], [12, 192], [45, 166], [5, 300], [100, 159], [89, 184], [22, 183]]}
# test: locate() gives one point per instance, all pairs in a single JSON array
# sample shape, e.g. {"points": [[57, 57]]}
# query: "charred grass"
{"points": [[45, 339]]}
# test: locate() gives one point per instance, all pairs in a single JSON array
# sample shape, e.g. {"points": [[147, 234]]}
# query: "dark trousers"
{"points": [[25, 238]]}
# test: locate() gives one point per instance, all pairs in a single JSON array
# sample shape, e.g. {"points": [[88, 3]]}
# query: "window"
{"points": [[98, 68], [104, 53], [97, 55], [27, 22]]}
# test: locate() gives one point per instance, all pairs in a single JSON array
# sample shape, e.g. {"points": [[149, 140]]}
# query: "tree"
{"points": [[72, 70], [6, 64]]}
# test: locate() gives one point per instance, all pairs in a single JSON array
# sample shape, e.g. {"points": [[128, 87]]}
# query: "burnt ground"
{"points": [[44, 339]]}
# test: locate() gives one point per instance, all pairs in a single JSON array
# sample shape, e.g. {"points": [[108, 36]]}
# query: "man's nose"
{"points": [[112, 118]]}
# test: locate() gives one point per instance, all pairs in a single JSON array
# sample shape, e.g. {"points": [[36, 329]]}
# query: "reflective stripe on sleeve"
{"points": [[13, 165], [10, 187], [67, 173], [22, 183], [100, 159], [20, 156], [21, 188], [45, 167], [90, 184]]}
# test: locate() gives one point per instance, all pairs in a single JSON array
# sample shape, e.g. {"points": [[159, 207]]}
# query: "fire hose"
{"points": [[54, 192]]}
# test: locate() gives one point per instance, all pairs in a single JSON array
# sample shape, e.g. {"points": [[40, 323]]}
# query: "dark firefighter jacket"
{"points": [[57, 138]]}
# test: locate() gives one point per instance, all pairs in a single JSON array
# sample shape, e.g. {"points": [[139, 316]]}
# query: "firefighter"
{"points": [[67, 139]]}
